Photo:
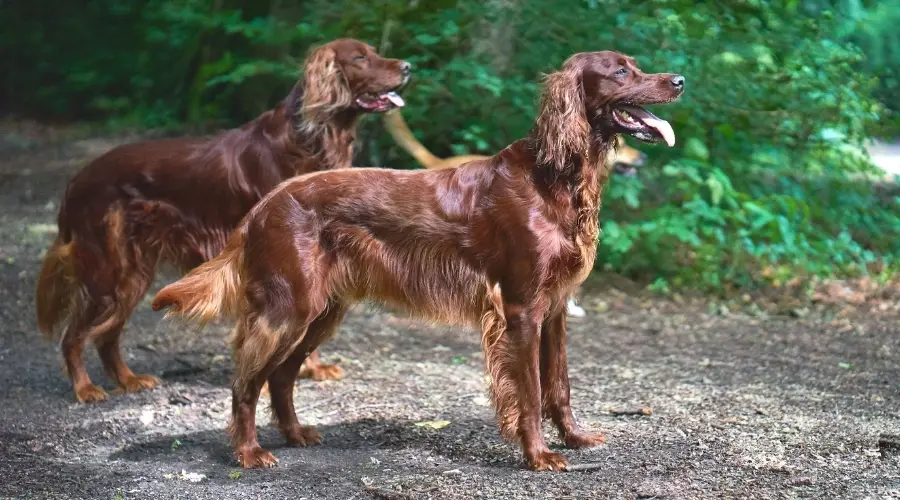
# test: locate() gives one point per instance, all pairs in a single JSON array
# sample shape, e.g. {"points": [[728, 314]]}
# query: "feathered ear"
{"points": [[561, 129], [325, 89]]}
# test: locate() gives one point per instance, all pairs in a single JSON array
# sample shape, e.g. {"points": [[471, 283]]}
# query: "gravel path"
{"points": [[886, 156], [742, 407]]}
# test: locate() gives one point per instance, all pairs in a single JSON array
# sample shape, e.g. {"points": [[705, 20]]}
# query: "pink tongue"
{"points": [[395, 99], [652, 121], [664, 129]]}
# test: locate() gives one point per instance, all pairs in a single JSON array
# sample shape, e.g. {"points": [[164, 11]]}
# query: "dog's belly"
{"points": [[176, 236], [429, 287]]}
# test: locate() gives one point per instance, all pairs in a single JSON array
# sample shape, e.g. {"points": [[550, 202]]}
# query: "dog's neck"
{"points": [[594, 176], [576, 170], [328, 139]]}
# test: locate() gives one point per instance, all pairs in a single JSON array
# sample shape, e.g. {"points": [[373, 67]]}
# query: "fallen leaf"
{"points": [[192, 477], [433, 424]]}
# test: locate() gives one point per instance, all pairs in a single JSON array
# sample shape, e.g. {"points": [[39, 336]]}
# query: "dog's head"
{"points": [[348, 74], [625, 159], [602, 93], [615, 90]]}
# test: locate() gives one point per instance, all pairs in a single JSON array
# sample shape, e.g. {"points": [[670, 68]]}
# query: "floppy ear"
{"points": [[325, 89], [561, 129]]}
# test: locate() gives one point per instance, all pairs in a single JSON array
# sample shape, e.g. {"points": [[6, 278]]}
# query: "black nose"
{"points": [[404, 67], [678, 82]]}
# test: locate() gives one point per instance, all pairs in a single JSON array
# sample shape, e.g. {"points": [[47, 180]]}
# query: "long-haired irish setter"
{"points": [[498, 243], [176, 201]]}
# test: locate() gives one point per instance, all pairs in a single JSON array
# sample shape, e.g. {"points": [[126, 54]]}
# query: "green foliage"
{"points": [[725, 231], [767, 182]]}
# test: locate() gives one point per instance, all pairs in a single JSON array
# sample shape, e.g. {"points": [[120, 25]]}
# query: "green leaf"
{"points": [[695, 148], [716, 189], [427, 39], [730, 58]]}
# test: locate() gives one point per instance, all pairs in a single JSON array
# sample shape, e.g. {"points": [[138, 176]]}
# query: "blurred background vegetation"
{"points": [[769, 183]]}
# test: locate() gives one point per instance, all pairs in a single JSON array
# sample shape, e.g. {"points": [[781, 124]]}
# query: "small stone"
{"points": [[889, 444], [801, 481], [146, 417], [179, 399]]}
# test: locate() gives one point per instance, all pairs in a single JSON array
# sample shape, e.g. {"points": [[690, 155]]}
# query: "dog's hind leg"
{"points": [[129, 294], [74, 337], [254, 345], [281, 381]]}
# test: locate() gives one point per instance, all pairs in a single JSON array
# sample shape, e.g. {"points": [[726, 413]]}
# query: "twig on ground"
{"points": [[384, 494], [617, 412], [584, 467], [327, 401], [357, 408]]}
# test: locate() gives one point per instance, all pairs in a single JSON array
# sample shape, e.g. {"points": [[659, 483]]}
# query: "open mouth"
{"points": [[643, 125], [378, 103]]}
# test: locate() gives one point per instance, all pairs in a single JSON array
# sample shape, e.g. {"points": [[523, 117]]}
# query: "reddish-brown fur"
{"points": [[497, 243], [176, 201]]}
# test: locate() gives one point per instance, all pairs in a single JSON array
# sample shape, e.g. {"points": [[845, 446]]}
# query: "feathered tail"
{"points": [[56, 289], [212, 289]]}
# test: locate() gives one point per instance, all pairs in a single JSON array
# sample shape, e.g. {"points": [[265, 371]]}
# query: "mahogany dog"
{"points": [[498, 243], [176, 201]]}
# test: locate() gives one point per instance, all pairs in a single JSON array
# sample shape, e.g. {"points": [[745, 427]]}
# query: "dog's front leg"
{"points": [[555, 383], [523, 329]]}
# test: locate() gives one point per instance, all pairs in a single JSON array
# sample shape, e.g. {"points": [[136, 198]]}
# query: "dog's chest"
{"points": [[568, 255], [568, 235]]}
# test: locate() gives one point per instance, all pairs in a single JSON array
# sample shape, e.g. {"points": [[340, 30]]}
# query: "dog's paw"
{"points": [[583, 439], [137, 383], [322, 372], [302, 435], [547, 460], [255, 457], [90, 394]]}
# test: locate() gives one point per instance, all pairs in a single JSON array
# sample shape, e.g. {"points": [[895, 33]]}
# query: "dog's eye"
{"points": [[622, 72], [359, 58]]}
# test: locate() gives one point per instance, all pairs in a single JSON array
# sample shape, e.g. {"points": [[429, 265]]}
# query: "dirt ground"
{"points": [[742, 406]]}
